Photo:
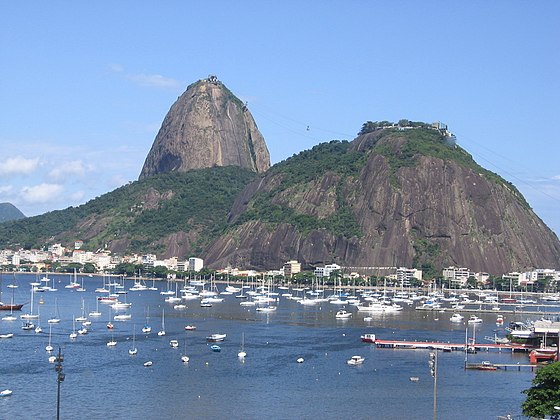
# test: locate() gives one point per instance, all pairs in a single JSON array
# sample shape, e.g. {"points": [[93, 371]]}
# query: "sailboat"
{"points": [[55, 319], [82, 318], [147, 329], [11, 306], [73, 334], [184, 357], [132, 351], [30, 315], [96, 312], [112, 343], [49, 347], [73, 284], [242, 353], [38, 328], [162, 332]]}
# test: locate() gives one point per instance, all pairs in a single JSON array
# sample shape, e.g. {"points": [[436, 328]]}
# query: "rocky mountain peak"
{"points": [[207, 126]]}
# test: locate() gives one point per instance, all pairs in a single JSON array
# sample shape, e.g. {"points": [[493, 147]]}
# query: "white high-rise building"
{"points": [[196, 264]]}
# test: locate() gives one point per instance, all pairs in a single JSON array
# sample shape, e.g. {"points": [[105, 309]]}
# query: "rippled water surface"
{"points": [[103, 382]]}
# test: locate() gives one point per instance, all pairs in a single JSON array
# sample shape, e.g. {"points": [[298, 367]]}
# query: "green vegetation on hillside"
{"points": [[198, 199], [300, 169], [425, 141]]}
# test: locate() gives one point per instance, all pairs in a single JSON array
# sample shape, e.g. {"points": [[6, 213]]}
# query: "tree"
{"points": [[544, 395]]}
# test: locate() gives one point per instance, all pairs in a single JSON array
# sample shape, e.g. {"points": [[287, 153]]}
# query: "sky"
{"points": [[85, 86]]}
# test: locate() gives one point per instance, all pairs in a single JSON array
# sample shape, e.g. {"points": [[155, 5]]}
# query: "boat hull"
{"points": [[10, 307]]}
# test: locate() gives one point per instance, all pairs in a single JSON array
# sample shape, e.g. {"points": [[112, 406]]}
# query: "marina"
{"points": [[290, 355]]}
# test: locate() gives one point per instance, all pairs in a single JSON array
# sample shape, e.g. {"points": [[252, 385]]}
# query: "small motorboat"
{"points": [[456, 318], [174, 343], [474, 320], [355, 360], [216, 337], [342, 314], [300, 360], [148, 363], [215, 348], [190, 327], [185, 359], [9, 335], [6, 393]]}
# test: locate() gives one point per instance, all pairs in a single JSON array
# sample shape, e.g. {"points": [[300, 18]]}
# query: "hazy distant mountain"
{"points": [[10, 212]]}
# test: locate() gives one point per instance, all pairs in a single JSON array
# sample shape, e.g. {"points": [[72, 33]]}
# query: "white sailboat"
{"points": [[242, 352], [162, 332], [96, 312], [30, 315], [112, 343], [73, 284], [184, 357], [132, 351], [83, 317], [147, 329], [49, 346], [55, 319], [73, 334], [38, 328]]}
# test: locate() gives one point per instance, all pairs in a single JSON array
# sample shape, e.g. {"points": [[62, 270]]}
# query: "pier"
{"points": [[437, 345], [493, 311]]}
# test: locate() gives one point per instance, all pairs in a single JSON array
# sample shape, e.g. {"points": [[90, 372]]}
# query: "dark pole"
{"points": [[59, 378]]}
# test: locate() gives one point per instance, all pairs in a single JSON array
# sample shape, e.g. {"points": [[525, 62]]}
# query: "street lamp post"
{"points": [[59, 378], [434, 371]]}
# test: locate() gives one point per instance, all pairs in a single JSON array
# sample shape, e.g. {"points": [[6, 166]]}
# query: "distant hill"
{"points": [[173, 214], [10, 212]]}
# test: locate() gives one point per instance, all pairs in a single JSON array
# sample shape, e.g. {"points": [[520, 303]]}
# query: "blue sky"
{"points": [[86, 85]]}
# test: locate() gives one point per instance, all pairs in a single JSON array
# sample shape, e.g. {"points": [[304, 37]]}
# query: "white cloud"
{"points": [[42, 193], [150, 80], [6, 189], [556, 178], [154, 80], [75, 168], [18, 166]]}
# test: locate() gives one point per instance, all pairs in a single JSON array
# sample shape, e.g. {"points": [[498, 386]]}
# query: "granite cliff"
{"points": [[207, 126], [391, 197]]}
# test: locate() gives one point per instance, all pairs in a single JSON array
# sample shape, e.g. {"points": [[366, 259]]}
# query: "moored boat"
{"points": [[342, 314], [456, 318], [355, 360], [474, 320], [216, 337]]}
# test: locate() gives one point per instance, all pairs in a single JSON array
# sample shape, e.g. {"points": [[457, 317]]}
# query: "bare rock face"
{"points": [[427, 210], [207, 126]]}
